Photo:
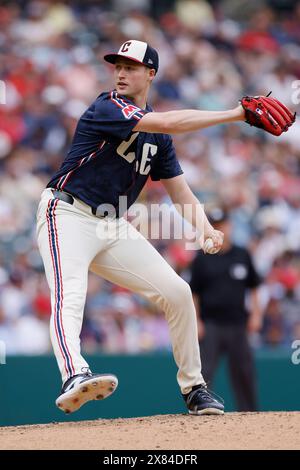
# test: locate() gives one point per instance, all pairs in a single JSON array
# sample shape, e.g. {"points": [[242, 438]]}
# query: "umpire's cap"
{"points": [[138, 51], [217, 215]]}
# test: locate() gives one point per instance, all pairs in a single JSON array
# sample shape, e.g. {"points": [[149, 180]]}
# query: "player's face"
{"points": [[131, 78]]}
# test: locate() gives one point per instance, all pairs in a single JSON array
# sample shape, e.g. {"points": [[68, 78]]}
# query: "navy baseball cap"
{"points": [[138, 51]]}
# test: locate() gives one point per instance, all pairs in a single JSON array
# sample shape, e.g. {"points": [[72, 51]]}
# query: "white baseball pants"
{"points": [[73, 241]]}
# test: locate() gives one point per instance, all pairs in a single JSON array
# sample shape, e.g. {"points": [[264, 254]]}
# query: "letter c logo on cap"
{"points": [[126, 46]]}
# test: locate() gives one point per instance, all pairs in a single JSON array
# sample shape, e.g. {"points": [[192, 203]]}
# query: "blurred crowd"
{"points": [[211, 54]]}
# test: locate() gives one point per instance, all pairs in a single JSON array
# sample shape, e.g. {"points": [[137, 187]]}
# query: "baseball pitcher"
{"points": [[118, 143]]}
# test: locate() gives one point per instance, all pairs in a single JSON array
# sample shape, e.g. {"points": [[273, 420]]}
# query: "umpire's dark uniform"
{"points": [[221, 282]]}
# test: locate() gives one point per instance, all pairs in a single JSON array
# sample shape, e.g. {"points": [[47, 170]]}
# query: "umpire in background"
{"points": [[219, 284]]}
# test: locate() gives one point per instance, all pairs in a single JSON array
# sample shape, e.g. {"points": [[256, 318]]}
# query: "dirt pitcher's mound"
{"points": [[231, 431]]}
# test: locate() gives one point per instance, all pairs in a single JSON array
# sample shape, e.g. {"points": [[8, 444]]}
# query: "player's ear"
{"points": [[152, 74]]}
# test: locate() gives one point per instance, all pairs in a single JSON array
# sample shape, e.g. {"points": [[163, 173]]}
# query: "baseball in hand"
{"points": [[209, 247]]}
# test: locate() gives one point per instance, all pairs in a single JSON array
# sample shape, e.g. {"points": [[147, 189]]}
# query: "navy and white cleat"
{"points": [[200, 401], [81, 388]]}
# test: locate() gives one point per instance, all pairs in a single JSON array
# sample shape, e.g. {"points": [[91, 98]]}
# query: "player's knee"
{"points": [[181, 294], [74, 296], [175, 295]]}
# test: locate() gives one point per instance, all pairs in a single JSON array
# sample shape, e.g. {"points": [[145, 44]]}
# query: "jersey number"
{"points": [[151, 149]]}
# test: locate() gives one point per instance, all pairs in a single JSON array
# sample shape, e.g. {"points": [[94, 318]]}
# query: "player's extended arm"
{"points": [[191, 209], [187, 120], [263, 112]]}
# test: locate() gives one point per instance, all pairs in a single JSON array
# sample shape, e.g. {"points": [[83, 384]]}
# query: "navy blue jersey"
{"points": [[108, 160]]}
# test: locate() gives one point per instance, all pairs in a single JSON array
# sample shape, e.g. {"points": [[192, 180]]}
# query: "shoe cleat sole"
{"points": [[94, 389], [207, 411]]}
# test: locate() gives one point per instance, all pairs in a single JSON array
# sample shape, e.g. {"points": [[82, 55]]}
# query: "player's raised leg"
{"points": [[67, 244]]}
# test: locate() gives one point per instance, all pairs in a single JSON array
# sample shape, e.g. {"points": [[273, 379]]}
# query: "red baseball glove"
{"points": [[267, 113]]}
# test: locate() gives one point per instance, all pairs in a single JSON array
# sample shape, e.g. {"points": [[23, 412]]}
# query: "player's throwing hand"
{"points": [[213, 241]]}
